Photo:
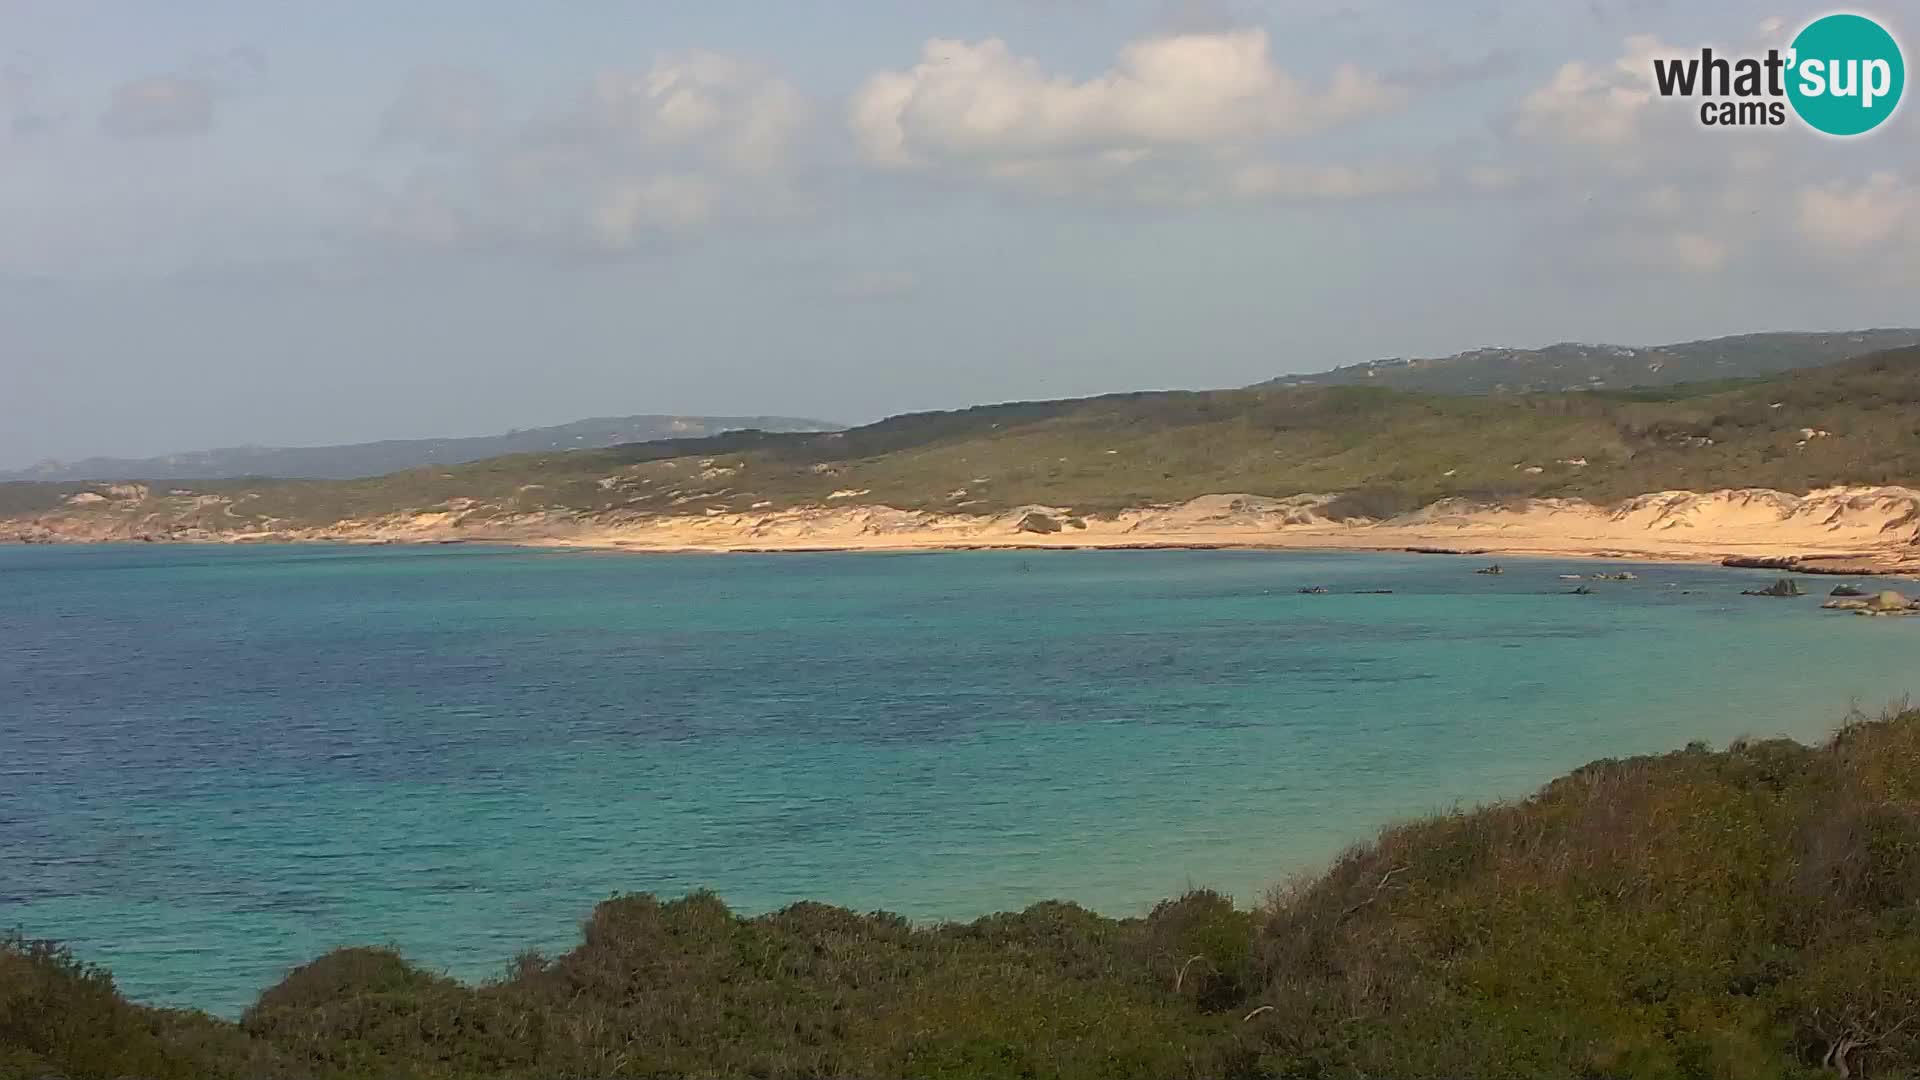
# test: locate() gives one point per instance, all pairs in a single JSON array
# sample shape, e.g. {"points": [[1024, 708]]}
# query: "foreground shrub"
{"points": [[1754, 912]]}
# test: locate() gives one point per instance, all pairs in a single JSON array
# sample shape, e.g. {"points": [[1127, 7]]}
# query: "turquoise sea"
{"points": [[218, 762]]}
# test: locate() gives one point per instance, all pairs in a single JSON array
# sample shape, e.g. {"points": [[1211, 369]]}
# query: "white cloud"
{"points": [[695, 139], [1881, 212], [727, 112], [1594, 104], [628, 209], [981, 110]]}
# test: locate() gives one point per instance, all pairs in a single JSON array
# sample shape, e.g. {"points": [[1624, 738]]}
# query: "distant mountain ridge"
{"points": [[1576, 366], [352, 460]]}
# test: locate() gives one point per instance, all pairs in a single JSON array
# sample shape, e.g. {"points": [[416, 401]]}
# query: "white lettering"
{"points": [[1813, 77], [1878, 80]]}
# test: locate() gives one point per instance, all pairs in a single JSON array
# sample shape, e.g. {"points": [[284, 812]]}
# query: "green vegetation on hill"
{"points": [[1856, 422], [1752, 912], [1574, 366]]}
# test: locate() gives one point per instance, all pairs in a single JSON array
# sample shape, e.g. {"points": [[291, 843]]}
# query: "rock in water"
{"points": [[1847, 590], [1888, 602], [1783, 587], [1494, 569]]}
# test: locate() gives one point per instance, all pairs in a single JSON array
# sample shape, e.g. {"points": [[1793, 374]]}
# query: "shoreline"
{"points": [[1850, 563], [1764, 558], [1849, 531]]}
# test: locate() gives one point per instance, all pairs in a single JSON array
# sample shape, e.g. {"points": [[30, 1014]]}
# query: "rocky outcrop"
{"points": [[1886, 602], [1853, 565], [1783, 587]]}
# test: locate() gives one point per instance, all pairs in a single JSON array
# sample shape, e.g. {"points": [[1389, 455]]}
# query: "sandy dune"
{"points": [[1846, 529], [1866, 527]]}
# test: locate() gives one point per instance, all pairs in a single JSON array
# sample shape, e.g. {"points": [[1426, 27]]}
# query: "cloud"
{"points": [[182, 104], [629, 208], [981, 110], [721, 111], [1697, 252], [160, 106], [1594, 104], [444, 109], [1326, 181], [693, 140], [696, 137], [1881, 212]]}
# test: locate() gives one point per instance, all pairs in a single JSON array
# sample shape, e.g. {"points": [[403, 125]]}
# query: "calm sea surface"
{"points": [[219, 762]]}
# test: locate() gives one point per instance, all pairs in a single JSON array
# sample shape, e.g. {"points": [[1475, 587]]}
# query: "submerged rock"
{"points": [[1581, 591], [1494, 569], [1313, 590], [1847, 590]]}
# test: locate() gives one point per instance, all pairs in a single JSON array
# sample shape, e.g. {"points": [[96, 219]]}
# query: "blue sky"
{"points": [[287, 223]]}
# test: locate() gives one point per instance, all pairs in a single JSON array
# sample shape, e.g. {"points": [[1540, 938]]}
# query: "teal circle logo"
{"points": [[1846, 75]]}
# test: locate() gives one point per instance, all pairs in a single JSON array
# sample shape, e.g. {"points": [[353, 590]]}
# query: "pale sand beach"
{"points": [[1838, 530], [1865, 529]]}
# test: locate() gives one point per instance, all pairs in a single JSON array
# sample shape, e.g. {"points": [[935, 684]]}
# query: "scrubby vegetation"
{"points": [[1751, 912], [1857, 422], [1574, 366]]}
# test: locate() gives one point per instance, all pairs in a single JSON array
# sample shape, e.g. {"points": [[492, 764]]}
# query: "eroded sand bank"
{"points": [[1843, 529], [1873, 528]]}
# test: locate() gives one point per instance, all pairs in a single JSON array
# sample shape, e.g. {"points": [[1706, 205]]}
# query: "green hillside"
{"points": [[1753, 912], [1574, 366], [1856, 422]]}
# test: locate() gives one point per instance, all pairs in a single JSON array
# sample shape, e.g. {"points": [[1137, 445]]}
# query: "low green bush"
{"points": [[1749, 912]]}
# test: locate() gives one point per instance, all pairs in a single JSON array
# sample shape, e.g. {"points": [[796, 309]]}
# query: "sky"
{"points": [[228, 222]]}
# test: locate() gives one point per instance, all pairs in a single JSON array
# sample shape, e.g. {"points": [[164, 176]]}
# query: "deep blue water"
{"points": [[218, 762]]}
